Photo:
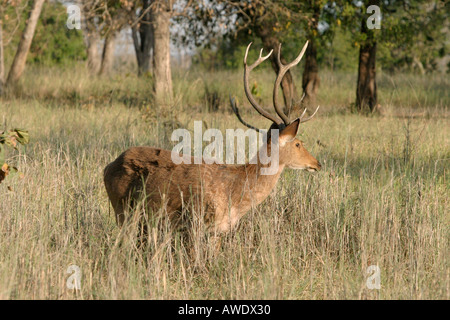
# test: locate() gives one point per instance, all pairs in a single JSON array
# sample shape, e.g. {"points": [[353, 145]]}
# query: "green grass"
{"points": [[380, 199]]}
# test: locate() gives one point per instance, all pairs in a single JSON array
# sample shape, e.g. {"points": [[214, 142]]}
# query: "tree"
{"points": [[18, 65], [272, 21], [54, 43], [2, 59], [114, 14], [91, 32], [366, 86], [355, 19], [103, 19], [160, 16], [14, 23], [271, 41], [142, 34], [108, 53], [415, 36], [414, 32], [310, 78]]}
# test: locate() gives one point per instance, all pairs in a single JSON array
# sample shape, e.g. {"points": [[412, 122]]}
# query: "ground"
{"points": [[380, 199]]}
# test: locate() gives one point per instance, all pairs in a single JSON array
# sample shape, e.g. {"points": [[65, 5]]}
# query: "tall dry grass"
{"points": [[380, 199]]}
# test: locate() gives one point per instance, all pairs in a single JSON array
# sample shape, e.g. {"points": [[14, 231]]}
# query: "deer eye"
{"points": [[297, 145]]}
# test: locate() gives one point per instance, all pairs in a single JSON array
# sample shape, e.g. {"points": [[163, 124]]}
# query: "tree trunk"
{"points": [[143, 40], [92, 40], [419, 65], [2, 59], [108, 54], [18, 65], [310, 80], [366, 90], [366, 87], [93, 55], [161, 55], [271, 42]]}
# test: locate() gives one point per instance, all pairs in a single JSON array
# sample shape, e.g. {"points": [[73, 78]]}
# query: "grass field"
{"points": [[380, 199]]}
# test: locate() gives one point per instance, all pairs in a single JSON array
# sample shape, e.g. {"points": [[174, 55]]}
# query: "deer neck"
{"points": [[258, 182], [258, 179]]}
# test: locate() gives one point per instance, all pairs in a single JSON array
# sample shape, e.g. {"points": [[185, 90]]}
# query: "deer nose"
{"points": [[319, 166]]}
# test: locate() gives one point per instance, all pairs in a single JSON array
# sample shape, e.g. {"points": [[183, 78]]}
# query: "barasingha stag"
{"points": [[226, 192]]}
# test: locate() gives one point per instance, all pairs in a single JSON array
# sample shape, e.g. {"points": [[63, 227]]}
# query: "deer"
{"points": [[227, 191]]}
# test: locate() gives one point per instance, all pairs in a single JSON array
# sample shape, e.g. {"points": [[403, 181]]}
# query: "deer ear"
{"points": [[289, 133]]}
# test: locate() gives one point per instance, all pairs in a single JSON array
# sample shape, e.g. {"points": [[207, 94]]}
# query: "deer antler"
{"points": [[309, 118], [282, 69], [236, 112], [281, 72], [247, 70]]}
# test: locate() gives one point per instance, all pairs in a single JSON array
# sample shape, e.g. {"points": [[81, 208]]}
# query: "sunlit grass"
{"points": [[380, 199]]}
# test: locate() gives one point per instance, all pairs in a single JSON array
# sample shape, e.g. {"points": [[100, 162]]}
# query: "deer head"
{"points": [[292, 151]]}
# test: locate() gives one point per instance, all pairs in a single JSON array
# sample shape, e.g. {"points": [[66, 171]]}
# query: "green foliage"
{"points": [[53, 43], [224, 54], [415, 35], [342, 53], [412, 35], [12, 139]]}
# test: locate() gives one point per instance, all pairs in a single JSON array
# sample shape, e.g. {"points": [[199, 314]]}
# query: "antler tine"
{"points": [[303, 97], [282, 69], [304, 111], [236, 112], [246, 53], [250, 98], [309, 118], [257, 62]]}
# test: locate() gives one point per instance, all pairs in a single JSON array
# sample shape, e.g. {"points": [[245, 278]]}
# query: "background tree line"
{"points": [[413, 36]]}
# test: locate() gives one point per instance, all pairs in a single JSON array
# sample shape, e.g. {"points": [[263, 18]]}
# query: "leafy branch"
{"points": [[10, 139]]}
